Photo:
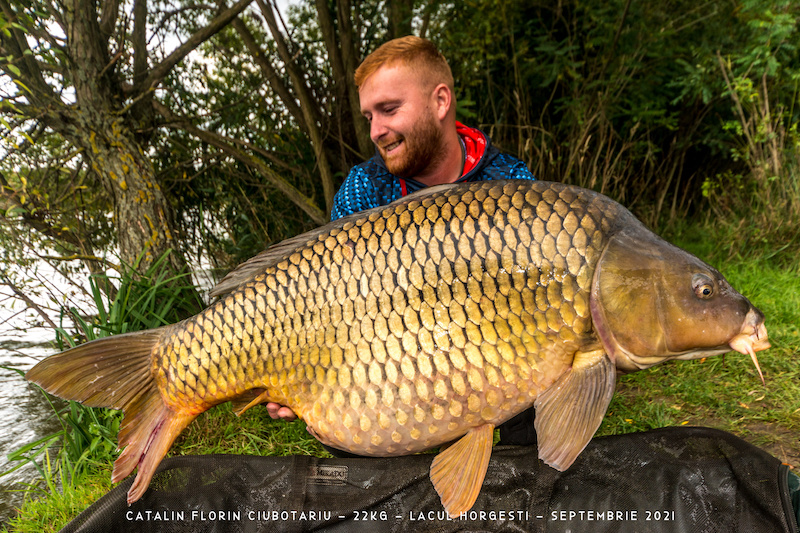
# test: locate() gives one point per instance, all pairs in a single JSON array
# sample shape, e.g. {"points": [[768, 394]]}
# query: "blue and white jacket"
{"points": [[370, 184]]}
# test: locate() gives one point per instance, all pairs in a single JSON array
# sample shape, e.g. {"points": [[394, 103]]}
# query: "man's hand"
{"points": [[279, 411]]}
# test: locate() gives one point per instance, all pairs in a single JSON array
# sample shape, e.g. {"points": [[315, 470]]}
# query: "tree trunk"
{"points": [[141, 211], [97, 125], [401, 13]]}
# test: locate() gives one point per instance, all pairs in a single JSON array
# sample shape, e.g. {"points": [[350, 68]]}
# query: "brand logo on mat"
{"points": [[327, 474]]}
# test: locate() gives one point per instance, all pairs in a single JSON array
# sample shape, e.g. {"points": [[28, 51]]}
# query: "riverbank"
{"points": [[25, 416]]}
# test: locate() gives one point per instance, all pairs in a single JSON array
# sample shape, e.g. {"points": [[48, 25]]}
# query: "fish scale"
{"points": [[450, 302], [424, 322]]}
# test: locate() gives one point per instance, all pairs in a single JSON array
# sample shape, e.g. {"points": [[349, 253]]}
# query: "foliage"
{"points": [[628, 97], [146, 301], [53, 509], [65, 115], [672, 108], [763, 85], [195, 130], [679, 110], [228, 212]]}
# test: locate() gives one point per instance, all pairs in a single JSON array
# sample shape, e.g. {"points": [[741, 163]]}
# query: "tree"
{"points": [[278, 118], [85, 80], [105, 113], [243, 142]]}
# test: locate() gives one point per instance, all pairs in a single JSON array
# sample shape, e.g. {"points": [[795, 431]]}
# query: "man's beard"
{"points": [[422, 150]]}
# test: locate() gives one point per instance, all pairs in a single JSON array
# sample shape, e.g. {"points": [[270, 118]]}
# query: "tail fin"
{"points": [[115, 372]]}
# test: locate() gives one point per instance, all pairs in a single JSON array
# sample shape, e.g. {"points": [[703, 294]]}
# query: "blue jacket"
{"points": [[370, 184]]}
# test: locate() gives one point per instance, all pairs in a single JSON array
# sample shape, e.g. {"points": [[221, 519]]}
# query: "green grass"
{"points": [[724, 392], [254, 433], [48, 507], [75, 462]]}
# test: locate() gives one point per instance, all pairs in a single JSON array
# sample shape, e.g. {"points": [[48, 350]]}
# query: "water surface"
{"points": [[25, 416]]}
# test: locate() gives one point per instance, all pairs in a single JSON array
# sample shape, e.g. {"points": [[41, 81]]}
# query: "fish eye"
{"points": [[703, 286]]}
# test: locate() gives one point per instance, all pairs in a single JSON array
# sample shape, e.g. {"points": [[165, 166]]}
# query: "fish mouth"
{"points": [[753, 338]]}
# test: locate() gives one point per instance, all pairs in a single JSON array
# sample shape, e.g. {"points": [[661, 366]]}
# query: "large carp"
{"points": [[420, 323]]}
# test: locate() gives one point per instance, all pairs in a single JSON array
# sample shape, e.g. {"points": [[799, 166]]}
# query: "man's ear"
{"points": [[443, 100]]}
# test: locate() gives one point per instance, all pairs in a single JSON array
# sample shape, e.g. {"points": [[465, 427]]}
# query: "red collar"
{"points": [[474, 146], [474, 142]]}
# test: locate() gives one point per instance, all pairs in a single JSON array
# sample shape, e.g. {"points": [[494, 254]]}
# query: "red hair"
{"points": [[419, 54]]}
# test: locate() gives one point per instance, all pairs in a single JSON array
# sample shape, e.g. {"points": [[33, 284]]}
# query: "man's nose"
{"points": [[377, 129]]}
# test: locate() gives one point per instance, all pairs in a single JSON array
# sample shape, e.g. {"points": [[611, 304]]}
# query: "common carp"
{"points": [[425, 322]]}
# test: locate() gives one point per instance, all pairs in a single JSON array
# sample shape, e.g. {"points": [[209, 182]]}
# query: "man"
{"points": [[406, 92]]}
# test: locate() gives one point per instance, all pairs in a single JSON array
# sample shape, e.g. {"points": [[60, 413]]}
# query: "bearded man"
{"points": [[406, 91]]}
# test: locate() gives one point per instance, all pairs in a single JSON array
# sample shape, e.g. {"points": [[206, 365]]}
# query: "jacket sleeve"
{"points": [[520, 171], [356, 194]]}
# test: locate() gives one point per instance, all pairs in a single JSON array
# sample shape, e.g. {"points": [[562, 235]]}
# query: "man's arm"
{"points": [[359, 191]]}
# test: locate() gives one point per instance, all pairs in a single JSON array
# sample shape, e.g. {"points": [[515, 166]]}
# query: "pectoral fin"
{"points": [[569, 412], [248, 400], [457, 473]]}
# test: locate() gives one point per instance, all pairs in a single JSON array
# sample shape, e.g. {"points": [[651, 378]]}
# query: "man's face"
{"points": [[403, 121]]}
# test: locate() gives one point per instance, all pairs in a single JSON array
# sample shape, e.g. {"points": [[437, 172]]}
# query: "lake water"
{"points": [[25, 414]]}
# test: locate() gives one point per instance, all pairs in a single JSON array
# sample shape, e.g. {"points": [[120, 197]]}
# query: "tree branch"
{"points": [[17, 45], [307, 105], [160, 71], [36, 216], [48, 67], [350, 57], [270, 73], [298, 198], [5, 280], [340, 54], [109, 17], [614, 43], [139, 41]]}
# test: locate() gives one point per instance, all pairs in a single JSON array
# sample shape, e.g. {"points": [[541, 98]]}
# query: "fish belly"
{"points": [[393, 412]]}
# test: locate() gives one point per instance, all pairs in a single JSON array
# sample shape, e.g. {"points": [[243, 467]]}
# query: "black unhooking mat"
{"points": [[666, 480]]}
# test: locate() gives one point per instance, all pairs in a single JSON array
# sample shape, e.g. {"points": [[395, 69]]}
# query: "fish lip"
{"points": [[752, 338], [699, 354], [753, 334]]}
